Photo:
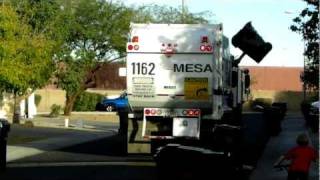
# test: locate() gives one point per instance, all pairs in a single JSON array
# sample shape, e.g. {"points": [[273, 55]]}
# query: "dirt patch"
{"points": [[15, 139], [96, 117]]}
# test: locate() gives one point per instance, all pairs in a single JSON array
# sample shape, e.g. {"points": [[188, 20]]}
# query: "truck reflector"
{"points": [[136, 47]]}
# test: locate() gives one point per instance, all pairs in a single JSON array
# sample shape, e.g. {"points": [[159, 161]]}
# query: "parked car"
{"points": [[314, 109], [115, 104]]}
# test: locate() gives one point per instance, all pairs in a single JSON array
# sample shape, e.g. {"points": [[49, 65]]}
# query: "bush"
{"points": [[55, 110], [37, 99], [87, 101]]}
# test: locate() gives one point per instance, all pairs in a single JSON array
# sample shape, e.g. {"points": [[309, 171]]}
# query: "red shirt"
{"points": [[301, 157]]}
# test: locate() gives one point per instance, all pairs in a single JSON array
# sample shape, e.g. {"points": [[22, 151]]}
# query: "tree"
{"points": [[25, 57], [307, 24], [96, 32], [169, 15]]}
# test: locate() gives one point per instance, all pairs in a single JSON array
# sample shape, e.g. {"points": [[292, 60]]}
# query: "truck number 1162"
{"points": [[143, 68]]}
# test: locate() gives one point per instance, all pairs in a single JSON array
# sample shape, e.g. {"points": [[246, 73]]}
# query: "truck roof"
{"points": [[181, 38]]}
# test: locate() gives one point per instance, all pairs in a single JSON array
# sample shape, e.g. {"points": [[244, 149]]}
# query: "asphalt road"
{"points": [[101, 159]]}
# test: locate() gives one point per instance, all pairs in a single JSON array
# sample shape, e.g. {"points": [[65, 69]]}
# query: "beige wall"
{"points": [[50, 97]]}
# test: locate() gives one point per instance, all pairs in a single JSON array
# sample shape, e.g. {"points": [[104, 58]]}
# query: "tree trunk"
{"points": [[16, 110], [69, 105], [70, 100]]}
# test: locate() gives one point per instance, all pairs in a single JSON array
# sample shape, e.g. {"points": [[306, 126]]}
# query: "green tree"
{"points": [[169, 15], [307, 24], [25, 57], [96, 32]]}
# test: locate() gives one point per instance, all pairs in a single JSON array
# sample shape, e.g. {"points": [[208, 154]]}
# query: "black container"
{"points": [[4, 130]]}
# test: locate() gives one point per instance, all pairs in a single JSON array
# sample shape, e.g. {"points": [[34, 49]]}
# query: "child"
{"points": [[301, 157]]}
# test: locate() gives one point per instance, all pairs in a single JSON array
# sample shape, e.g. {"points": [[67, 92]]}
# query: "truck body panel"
{"points": [[175, 66]]}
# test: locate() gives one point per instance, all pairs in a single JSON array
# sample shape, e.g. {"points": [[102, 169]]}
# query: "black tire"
{"points": [[99, 107]]}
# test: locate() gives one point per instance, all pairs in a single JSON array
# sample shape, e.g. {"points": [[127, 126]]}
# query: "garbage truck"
{"points": [[183, 86]]}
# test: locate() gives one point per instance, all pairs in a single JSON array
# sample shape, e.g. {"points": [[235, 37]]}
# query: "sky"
{"points": [[270, 18]]}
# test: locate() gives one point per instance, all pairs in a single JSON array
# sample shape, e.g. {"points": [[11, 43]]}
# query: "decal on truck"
{"points": [[143, 68], [143, 87], [196, 88], [192, 68]]}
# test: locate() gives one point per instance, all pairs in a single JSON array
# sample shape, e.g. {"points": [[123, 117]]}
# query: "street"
{"points": [[101, 158]]}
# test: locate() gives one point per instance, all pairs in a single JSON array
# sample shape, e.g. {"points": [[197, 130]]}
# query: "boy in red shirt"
{"points": [[301, 157]]}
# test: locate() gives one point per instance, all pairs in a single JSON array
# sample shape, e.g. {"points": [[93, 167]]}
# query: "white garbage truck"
{"points": [[182, 83]]}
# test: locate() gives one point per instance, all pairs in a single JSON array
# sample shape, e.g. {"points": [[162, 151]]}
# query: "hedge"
{"points": [[87, 101]]}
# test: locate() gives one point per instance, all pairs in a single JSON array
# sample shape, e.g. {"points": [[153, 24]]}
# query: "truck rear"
{"points": [[174, 81]]}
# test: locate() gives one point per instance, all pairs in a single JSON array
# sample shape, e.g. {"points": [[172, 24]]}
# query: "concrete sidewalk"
{"points": [[37, 147], [291, 127]]}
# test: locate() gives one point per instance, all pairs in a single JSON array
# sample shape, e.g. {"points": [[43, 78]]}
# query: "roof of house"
{"points": [[275, 78]]}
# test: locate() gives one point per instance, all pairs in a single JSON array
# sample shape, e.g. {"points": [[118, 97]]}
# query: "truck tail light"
{"points": [[136, 47], [135, 39], [197, 112], [209, 48], [203, 48], [147, 112], [153, 111], [191, 112], [204, 39], [130, 47]]}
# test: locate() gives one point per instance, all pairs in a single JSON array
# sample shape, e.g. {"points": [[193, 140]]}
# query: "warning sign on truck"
{"points": [[143, 87], [196, 88]]}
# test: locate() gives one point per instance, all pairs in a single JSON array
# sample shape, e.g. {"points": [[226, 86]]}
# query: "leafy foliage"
{"points": [[55, 110], [87, 101], [169, 15], [95, 32], [307, 24], [25, 57]]}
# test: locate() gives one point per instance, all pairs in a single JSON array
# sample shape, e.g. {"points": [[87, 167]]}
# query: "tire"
{"points": [[99, 107], [110, 108]]}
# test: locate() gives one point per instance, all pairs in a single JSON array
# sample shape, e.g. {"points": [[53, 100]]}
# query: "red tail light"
{"points": [[209, 48], [190, 112], [130, 47], [197, 112], [203, 48], [147, 112], [204, 39]]}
